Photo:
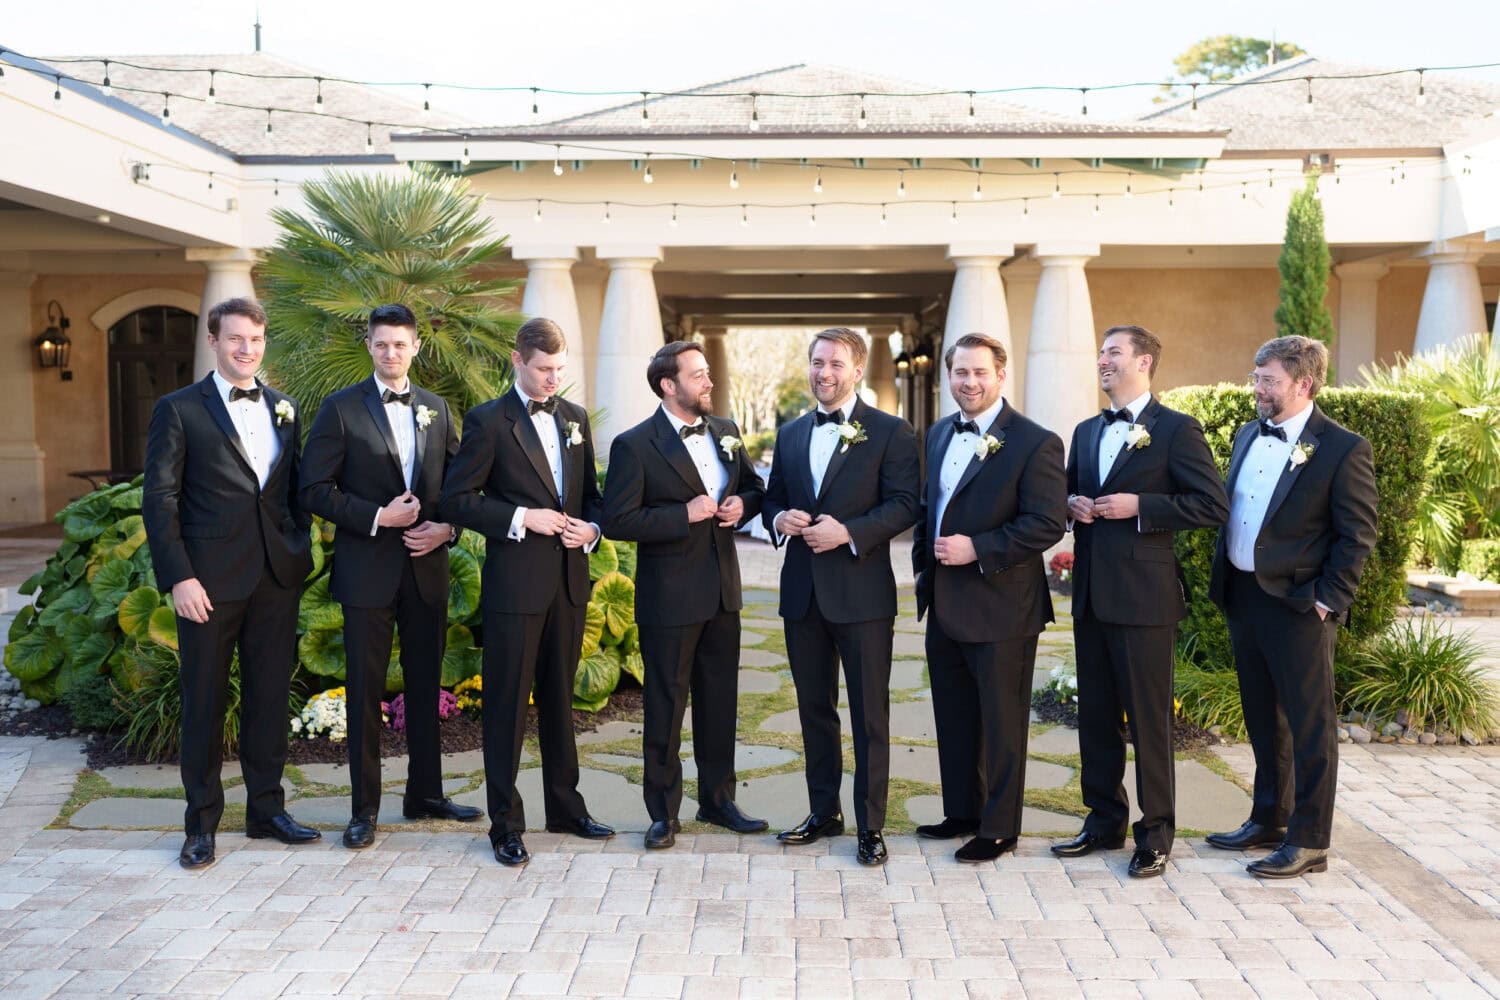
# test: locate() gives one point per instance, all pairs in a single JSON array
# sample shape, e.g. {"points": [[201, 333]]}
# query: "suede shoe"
{"points": [[584, 826], [982, 849], [284, 829], [948, 829], [511, 850], [730, 817], [662, 834], [1147, 863], [359, 834], [1289, 861], [1250, 834], [1087, 843], [197, 851], [871, 850], [441, 808], [813, 828]]}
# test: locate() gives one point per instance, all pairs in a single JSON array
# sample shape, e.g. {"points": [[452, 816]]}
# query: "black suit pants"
{"points": [[519, 651], [701, 659], [815, 647], [1127, 670], [264, 627], [1284, 659], [367, 645], [981, 705]]}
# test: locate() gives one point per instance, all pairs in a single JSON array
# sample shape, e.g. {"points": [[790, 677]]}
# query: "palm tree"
{"points": [[416, 238]]}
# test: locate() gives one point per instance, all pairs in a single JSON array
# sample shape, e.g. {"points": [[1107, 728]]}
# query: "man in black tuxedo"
{"points": [[229, 541], [524, 477], [1137, 473], [374, 466], [680, 483], [1301, 524], [995, 501], [844, 482]]}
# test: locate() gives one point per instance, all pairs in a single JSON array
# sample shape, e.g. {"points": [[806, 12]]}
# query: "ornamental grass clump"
{"points": [[1422, 667]]}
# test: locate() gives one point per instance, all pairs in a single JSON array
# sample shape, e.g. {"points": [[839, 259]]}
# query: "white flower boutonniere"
{"points": [[1137, 438], [424, 416], [573, 432], [851, 433], [285, 414], [987, 446], [729, 444], [1301, 452]]}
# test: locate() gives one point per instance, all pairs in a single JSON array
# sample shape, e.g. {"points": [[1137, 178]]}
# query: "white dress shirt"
{"points": [[255, 427], [703, 450], [1265, 460], [403, 423], [1115, 432], [962, 449], [821, 444], [552, 444]]}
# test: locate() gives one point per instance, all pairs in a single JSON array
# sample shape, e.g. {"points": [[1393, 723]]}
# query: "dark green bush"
{"points": [[91, 701], [1481, 557], [1422, 667]]}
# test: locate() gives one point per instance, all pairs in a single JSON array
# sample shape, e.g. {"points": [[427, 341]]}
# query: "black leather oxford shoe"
{"points": [[1250, 834], [662, 834], [948, 829], [813, 828], [871, 849], [197, 851], [284, 829], [443, 808], [359, 834], [1289, 861], [1146, 863], [584, 826], [730, 817], [1086, 843], [511, 851], [982, 849]]}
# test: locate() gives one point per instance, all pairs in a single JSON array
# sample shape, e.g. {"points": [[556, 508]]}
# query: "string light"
{"points": [[971, 104], [533, 101], [1128, 193], [862, 122], [210, 180], [1056, 185], [268, 121], [673, 221], [276, 187], [818, 182], [1025, 206], [754, 114], [978, 185], [212, 97], [166, 109], [464, 159], [318, 104], [1083, 95], [1171, 199], [1193, 110], [57, 87], [1244, 190], [605, 220], [1097, 210], [646, 177], [901, 184], [744, 215], [1270, 178], [1200, 184], [734, 174], [557, 162], [538, 216], [369, 137], [645, 112], [1421, 87], [105, 86], [883, 220], [954, 216], [426, 99], [1307, 106], [812, 215]]}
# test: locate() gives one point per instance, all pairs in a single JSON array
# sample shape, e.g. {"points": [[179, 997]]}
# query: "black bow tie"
{"points": [[389, 396], [1275, 432], [235, 392], [962, 426], [549, 405], [1110, 416], [688, 430], [836, 417]]}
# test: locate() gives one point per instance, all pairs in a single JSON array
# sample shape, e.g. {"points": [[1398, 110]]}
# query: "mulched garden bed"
{"points": [[1186, 737]]}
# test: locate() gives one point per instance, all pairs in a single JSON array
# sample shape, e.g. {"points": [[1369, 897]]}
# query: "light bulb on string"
{"points": [[812, 215], [818, 182], [213, 97], [734, 175], [901, 184], [105, 87], [978, 186], [275, 187], [1317, 187], [1307, 105], [538, 216], [533, 100], [1171, 199], [1244, 190], [557, 161], [645, 112], [744, 215], [606, 219], [754, 113], [1200, 184], [1421, 87], [1097, 209], [1270, 179], [57, 87], [210, 180], [883, 220], [166, 109], [673, 220], [426, 99], [268, 121], [464, 159], [1193, 108], [862, 123], [318, 103], [646, 177], [1025, 206], [971, 104], [1128, 193], [1083, 96], [954, 216], [1057, 185], [369, 137]]}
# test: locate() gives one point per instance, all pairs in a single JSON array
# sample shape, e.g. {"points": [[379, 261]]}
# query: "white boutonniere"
{"points": [[851, 433], [987, 446], [285, 414], [1137, 437], [1301, 452], [729, 444], [573, 433], [424, 416]]}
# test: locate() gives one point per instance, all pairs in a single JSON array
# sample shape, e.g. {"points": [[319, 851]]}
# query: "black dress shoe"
{"points": [[511, 851], [443, 808], [584, 826], [197, 851], [982, 849], [662, 834], [1289, 861], [730, 817], [871, 849], [284, 829], [948, 829], [1250, 834], [360, 833], [1086, 843], [1146, 863], [813, 828]]}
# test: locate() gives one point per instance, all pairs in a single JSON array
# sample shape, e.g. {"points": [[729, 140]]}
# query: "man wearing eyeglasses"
{"points": [[1301, 524]]}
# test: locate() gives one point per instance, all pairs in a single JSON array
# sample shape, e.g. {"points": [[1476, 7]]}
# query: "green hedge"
{"points": [[1400, 438], [1481, 557]]}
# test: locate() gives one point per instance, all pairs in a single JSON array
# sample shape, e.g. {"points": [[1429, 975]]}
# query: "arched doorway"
{"points": [[150, 355]]}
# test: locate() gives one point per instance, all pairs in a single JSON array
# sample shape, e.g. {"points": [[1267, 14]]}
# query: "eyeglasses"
{"points": [[1265, 381]]}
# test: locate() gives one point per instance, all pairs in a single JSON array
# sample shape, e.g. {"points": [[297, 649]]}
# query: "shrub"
{"points": [[1304, 264], [1481, 558], [1421, 666], [154, 706], [91, 702], [1210, 698]]}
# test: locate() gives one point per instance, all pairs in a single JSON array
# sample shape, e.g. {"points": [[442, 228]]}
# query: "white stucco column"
{"points": [[228, 278], [629, 333], [1061, 385], [880, 373], [1452, 302], [1020, 278], [1359, 286], [549, 294], [22, 495], [716, 351], [976, 305]]}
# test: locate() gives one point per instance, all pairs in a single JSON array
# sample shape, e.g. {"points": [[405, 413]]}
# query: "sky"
{"points": [[671, 44]]}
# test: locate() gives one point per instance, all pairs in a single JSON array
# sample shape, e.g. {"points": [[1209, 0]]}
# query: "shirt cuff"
{"points": [[775, 531], [517, 525], [853, 548], [598, 534], [375, 524], [1325, 607]]}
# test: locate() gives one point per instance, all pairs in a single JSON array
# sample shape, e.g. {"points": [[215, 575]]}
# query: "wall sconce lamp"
{"points": [[53, 347]]}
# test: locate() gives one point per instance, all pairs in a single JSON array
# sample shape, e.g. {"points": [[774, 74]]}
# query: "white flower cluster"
{"points": [[323, 715], [1064, 683]]}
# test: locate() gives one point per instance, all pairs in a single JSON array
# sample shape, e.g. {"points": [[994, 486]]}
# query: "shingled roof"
{"points": [[1372, 109], [891, 108], [242, 131]]}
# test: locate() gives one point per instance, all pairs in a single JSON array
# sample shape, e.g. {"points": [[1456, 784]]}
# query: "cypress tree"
{"points": [[1304, 266]]}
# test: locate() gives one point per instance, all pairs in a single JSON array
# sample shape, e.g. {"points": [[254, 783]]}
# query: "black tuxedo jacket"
{"points": [[205, 512], [351, 468], [1014, 505], [1126, 574], [500, 466], [685, 573], [871, 489], [1320, 525]]}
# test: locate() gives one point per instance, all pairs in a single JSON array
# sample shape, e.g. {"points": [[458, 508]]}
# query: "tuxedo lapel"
{"points": [[383, 424], [730, 462], [420, 398], [214, 403], [669, 443], [1147, 420], [997, 430], [282, 429], [840, 451], [1095, 477], [531, 444], [799, 445], [946, 430], [1289, 474]]}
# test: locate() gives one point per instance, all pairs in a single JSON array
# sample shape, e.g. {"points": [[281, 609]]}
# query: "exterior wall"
{"points": [[1399, 304]]}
